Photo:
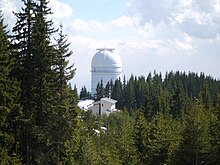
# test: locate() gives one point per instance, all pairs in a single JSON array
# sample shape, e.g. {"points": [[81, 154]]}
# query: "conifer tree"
{"points": [[9, 105], [195, 143], [107, 90], [22, 52], [205, 97], [140, 137], [84, 93], [100, 92], [130, 94], [177, 102], [43, 55], [215, 133], [162, 139], [64, 118], [117, 92]]}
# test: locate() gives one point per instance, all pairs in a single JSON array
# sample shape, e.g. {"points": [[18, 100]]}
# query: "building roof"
{"points": [[85, 104], [106, 58], [108, 100]]}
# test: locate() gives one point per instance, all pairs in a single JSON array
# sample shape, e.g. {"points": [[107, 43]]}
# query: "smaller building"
{"points": [[85, 104], [103, 107]]}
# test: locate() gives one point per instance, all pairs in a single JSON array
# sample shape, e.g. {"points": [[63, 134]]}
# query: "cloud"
{"points": [[8, 7], [123, 21], [98, 25], [80, 25], [60, 9], [200, 30], [185, 15]]}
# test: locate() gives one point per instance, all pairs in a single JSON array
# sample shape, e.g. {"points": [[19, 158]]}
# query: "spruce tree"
{"points": [[195, 143], [22, 52], [9, 101], [100, 92], [177, 102], [117, 92], [215, 133], [65, 114], [139, 138], [84, 93]]}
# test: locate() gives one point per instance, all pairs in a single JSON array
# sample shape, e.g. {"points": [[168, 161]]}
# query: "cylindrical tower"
{"points": [[106, 66]]}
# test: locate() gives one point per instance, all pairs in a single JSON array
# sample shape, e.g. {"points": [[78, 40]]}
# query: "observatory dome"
{"points": [[105, 66], [106, 58]]}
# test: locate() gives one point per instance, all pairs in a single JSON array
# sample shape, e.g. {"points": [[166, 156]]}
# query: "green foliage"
{"points": [[174, 94], [100, 92], [157, 140], [84, 93], [195, 143], [163, 136], [139, 138], [178, 102], [215, 133], [120, 135], [9, 101], [174, 120]]}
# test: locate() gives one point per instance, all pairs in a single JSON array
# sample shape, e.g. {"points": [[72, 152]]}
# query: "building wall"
{"points": [[95, 109], [106, 107], [104, 76]]}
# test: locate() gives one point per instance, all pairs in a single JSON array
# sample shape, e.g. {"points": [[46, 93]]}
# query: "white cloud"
{"points": [[198, 18], [98, 25], [60, 9], [80, 25], [123, 21], [216, 6], [182, 46], [8, 7]]}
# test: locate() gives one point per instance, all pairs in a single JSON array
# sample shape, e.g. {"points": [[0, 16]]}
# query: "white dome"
{"points": [[106, 58], [105, 66]]}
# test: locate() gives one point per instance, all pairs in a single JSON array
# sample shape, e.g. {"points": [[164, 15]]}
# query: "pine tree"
{"points": [[139, 138], [117, 92], [205, 97], [84, 93], [107, 90], [64, 119], [162, 139], [22, 52], [99, 91], [43, 55], [177, 102], [195, 143], [215, 133], [130, 94], [9, 105], [36, 57]]}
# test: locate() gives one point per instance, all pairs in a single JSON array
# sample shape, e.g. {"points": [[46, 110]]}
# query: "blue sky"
{"points": [[161, 35]]}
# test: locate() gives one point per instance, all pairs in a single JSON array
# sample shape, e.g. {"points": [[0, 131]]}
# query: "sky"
{"points": [[149, 35]]}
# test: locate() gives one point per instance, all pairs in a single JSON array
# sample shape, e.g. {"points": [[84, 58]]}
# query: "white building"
{"points": [[85, 104], [104, 106], [105, 66]]}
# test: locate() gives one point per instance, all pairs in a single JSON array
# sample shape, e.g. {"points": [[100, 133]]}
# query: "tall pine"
{"points": [[9, 97], [65, 114]]}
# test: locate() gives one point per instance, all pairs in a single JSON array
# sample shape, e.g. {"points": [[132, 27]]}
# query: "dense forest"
{"points": [[172, 120]]}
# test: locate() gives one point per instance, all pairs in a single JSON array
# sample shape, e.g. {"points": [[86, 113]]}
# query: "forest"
{"points": [[163, 120]]}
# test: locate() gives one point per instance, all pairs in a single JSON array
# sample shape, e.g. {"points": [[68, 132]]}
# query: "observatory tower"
{"points": [[106, 66]]}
